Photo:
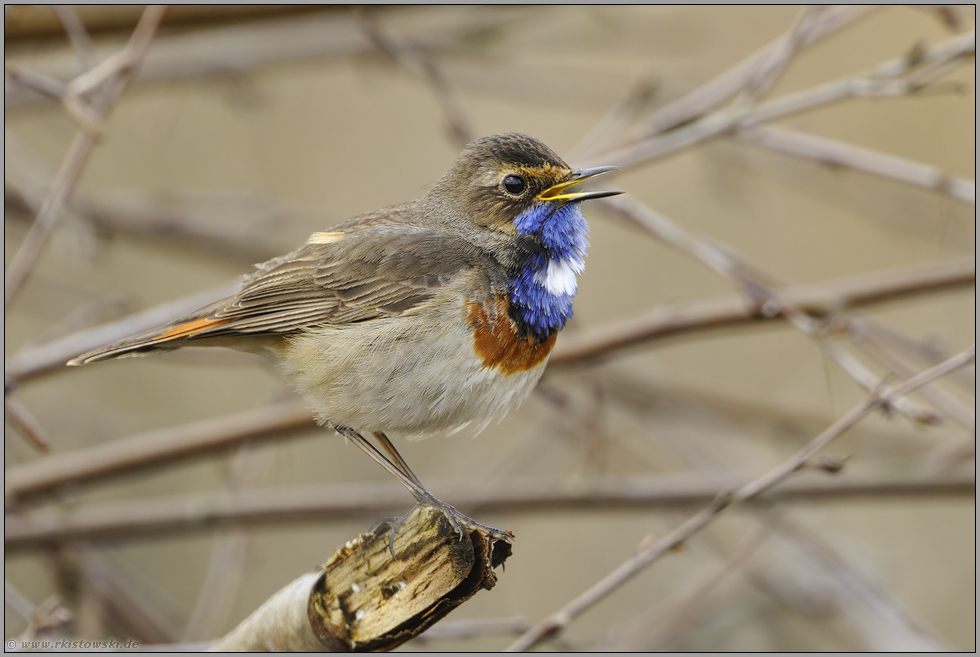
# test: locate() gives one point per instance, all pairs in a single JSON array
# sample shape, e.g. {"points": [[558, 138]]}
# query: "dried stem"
{"points": [[71, 167], [556, 623], [126, 601]]}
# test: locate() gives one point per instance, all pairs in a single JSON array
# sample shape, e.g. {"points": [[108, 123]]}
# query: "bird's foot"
{"points": [[460, 523]]}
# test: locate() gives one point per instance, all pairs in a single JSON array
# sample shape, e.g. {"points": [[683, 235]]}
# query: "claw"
{"points": [[460, 523]]}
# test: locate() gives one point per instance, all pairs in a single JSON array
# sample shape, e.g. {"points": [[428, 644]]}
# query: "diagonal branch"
{"points": [[836, 153], [715, 92], [762, 288], [898, 77], [557, 622]]}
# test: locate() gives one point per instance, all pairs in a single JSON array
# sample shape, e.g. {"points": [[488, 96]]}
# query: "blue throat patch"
{"points": [[541, 294]]}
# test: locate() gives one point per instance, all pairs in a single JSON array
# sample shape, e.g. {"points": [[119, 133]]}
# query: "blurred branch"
{"points": [[243, 47], [126, 604], [31, 362], [26, 78], [929, 349], [414, 59], [130, 520], [654, 631], [712, 94], [903, 632], [838, 154], [948, 404], [187, 220], [919, 70], [626, 110], [949, 15], [115, 77], [470, 628], [19, 603], [229, 555], [772, 67], [725, 312], [760, 286], [556, 623], [155, 448], [26, 424], [77, 34]]}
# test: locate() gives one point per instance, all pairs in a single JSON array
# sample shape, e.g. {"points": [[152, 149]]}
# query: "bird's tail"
{"points": [[163, 338]]}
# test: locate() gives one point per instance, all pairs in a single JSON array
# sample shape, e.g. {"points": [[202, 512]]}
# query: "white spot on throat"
{"points": [[560, 276]]}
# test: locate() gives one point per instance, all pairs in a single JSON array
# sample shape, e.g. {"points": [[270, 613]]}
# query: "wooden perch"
{"points": [[364, 599]]}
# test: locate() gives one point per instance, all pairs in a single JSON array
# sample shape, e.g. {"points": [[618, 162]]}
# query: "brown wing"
{"points": [[357, 277], [337, 278]]}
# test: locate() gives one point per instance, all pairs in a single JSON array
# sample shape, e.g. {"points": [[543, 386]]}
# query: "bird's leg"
{"points": [[408, 480], [399, 469], [425, 498], [396, 457]]}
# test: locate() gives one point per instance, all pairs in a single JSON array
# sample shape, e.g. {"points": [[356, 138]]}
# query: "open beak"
{"points": [[558, 193]]}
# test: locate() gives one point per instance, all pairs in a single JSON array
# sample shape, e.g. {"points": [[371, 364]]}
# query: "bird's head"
{"points": [[512, 184]]}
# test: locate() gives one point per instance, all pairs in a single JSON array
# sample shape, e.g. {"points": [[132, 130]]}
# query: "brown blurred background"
{"points": [[253, 127]]}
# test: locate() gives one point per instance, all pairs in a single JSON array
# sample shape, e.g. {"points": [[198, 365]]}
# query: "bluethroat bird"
{"points": [[417, 318]]}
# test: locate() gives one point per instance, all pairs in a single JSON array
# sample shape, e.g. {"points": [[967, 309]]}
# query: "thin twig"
{"points": [[839, 154], [74, 161], [626, 110], [556, 623], [247, 228], [20, 603], [928, 350], [948, 404], [131, 520], [126, 601]]}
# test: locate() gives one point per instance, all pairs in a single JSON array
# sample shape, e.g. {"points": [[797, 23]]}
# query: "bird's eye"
{"points": [[514, 185]]}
